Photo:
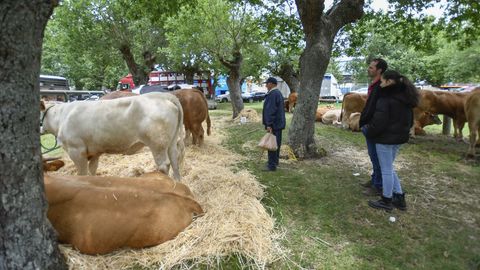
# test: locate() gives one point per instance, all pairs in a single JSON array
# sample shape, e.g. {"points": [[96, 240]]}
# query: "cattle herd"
{"points": [[97, 215], [461, 107], [125, 212]]}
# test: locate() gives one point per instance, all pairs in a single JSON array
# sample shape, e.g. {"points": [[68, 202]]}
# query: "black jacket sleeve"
{"points": [[379, 121]]}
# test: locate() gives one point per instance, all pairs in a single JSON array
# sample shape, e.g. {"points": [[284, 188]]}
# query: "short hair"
{"points": [[381, 64]]}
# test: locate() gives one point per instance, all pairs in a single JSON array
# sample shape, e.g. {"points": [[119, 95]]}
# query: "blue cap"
{"points": [[271, 80]]}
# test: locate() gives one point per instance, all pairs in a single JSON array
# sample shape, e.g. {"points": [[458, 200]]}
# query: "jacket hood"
{"points": [[397, 91]]}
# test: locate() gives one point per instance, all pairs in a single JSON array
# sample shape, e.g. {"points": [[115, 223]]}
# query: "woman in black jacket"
{"points": [[389, 128]]}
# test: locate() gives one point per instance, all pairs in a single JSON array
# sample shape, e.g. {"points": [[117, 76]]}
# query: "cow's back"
{"points": [[117, 94], [121, 125], [98, 219]]}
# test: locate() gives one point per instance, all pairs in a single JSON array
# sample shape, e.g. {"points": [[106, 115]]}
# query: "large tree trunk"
{"points": [[291, 77], [139, 73], [28, 240], [320, 30], [233, 81]]}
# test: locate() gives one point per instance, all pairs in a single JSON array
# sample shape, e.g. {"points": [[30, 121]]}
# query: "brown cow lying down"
{"points": [[321, 111], [195, 111], [472, 112], [98, 215], [331, 117]]}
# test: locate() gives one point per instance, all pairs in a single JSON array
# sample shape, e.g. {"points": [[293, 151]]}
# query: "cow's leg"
{"points": [[197, 134], [460, 126], [173, 155], [473, 139], [80, 160], [160, 157], [187, 135], [93, 164]]}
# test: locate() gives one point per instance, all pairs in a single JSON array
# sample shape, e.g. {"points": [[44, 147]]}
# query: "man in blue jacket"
{"points": [[273, 119]]}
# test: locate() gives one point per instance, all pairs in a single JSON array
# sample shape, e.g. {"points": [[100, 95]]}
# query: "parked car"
{"points": [[362, 90], [256, 96], [223, 97]]}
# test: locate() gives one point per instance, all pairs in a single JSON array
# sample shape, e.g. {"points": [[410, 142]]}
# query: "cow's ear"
{"points": [[42, 106]]}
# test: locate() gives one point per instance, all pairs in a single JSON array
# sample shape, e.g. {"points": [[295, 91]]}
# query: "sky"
{"points": [[383, 5]]}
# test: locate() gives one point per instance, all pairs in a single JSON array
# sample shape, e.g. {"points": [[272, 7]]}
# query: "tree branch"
{"points": [[345, 12]]}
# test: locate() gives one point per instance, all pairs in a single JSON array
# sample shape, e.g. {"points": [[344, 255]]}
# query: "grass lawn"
{"points": [[326, 217]]}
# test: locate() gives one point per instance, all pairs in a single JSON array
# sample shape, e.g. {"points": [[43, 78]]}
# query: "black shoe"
{"points": [[398, 201], [384, 203], [366, 184], [372, 191]]}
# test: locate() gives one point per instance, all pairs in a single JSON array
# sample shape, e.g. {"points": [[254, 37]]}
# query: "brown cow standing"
{"points": [[472, 112], [443, 102], [355, 102], [195, 111], [98, 215], [352, 102], [292, 101]]}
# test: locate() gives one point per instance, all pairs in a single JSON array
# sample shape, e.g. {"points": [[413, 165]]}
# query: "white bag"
{"points": [[268, 142]]}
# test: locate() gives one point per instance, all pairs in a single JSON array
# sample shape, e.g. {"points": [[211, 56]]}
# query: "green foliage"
{"points": [[83, 39], [214, 30]]}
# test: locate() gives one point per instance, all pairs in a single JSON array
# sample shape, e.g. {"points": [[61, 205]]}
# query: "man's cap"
{"points": [[271, 80]]}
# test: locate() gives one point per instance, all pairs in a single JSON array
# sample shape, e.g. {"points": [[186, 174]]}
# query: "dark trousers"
{"points": [[376, 177], [274, 156]]}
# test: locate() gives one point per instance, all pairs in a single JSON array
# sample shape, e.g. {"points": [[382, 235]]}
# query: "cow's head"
{"points": [[433, 118], [52, 164]]}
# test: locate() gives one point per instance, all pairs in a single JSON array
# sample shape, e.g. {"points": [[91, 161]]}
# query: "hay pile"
{"points": [[235, 220], [250, 114]]}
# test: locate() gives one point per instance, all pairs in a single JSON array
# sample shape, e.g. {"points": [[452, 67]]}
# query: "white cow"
{"points": [[88, 129]]}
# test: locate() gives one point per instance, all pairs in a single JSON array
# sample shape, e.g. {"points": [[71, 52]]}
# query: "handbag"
{"points": [[268, 142]]}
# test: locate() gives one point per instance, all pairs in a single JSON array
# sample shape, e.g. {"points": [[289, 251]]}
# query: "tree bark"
{"points": [[28, 241], [320, 30], [291, 77], [139, 74], [233, 81]]}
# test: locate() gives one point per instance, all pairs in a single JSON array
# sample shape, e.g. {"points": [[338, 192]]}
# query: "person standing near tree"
{"points": [[375, 69], [389, 128], [273, 118]]}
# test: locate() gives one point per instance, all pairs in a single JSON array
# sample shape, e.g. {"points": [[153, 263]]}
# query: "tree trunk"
{"points": [[28, 241], [320, 30], [314, 61], [233, 81], [138, 73], [290, 76]]}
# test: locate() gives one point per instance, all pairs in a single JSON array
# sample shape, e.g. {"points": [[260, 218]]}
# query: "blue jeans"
{"points": [[376, 176], [386, 156], [274, 156]]}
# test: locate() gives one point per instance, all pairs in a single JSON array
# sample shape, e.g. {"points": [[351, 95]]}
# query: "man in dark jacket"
{"points": [[375, 69], [273, 119]]}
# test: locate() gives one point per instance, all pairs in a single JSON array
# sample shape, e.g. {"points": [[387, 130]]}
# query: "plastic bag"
{"points": [[268, 142]]}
